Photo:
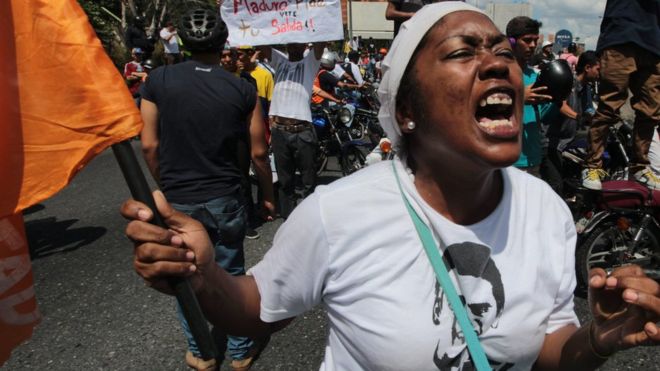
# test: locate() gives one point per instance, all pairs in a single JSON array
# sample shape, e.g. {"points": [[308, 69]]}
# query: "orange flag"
{"points": [[62, 102]]}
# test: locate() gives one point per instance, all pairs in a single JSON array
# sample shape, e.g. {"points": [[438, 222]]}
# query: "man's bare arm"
{"points": [[149, 136]]}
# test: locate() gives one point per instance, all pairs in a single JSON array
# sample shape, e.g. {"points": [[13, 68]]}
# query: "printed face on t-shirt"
{"points": [[480, 280]]}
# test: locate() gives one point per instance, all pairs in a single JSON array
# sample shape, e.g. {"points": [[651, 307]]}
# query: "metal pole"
{"points": [[184, 292], [350, 20]]}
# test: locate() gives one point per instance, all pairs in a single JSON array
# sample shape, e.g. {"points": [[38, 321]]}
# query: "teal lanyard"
{"points": [[476, 351]]}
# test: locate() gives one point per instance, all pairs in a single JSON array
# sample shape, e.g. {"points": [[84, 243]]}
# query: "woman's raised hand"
{"points": [[183, 250], [626, 308]]}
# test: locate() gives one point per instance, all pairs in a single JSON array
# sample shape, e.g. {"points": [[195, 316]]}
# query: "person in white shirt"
{"points": [[505, 237], [293, 139], [168, 36], [352, 69]]}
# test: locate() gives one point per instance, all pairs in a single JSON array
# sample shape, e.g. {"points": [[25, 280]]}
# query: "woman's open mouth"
{"points": [[494, 114]]}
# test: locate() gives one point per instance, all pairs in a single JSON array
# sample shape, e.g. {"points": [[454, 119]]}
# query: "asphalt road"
{"points": [[98, 315]]}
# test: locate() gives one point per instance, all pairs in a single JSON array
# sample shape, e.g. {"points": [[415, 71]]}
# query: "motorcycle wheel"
{"points": [[352, 160], [608, 247]]}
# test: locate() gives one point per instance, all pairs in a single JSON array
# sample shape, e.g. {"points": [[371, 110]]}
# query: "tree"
{"points": [[110, 19]]}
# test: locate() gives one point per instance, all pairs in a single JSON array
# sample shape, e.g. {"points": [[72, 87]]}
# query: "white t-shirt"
{"points": [[293, 85], [171, 46], [355, 72], [338, 71], [353, 247]]}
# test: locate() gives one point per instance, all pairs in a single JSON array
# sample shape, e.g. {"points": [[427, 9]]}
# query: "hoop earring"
{"points": [[411, 125]]}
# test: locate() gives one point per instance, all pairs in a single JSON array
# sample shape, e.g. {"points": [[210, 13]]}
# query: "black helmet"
{"points": [[557, 76], [148, 64], [202, 30]]}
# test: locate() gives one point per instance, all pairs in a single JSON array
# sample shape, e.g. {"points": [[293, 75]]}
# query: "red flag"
{"points": [[62, 101]]}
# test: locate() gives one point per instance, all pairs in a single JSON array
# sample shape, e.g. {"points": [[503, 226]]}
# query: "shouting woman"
{"points": [[444, 258]]}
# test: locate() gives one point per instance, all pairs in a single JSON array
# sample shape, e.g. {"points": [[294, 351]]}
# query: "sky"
{"points": [[581, 17]]}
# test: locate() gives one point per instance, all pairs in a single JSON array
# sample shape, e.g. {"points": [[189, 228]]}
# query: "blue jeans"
{"points": [[225, 220]]}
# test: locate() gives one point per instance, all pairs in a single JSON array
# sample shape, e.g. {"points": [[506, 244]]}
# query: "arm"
{"points": [[318, 49], [568, 349], [259, 154], [567, 111], [348, 77], [349, 85], [393, 14], [129, 73], [185, 250], [324, 94], [149, 136], [624, 306], [170, 35]]}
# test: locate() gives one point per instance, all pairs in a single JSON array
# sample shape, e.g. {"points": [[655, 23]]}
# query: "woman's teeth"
{"points": [[497, 98]]}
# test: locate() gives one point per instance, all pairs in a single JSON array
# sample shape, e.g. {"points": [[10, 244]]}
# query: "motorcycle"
{"points": [[615, 162], [382, 152], [366, 105], [340, 135], [623, 229]]}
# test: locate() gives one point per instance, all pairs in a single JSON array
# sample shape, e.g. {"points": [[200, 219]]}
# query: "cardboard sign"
{"points": [[269, 22]]}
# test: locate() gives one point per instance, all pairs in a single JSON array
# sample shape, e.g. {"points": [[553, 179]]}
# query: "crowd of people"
{"points": [[460, 105]]}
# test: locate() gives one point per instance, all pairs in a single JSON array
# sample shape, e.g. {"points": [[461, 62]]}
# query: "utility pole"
{"points": [[350, 19]]}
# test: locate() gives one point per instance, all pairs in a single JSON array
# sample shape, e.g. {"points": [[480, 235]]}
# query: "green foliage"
{"points": [[110, 29]]}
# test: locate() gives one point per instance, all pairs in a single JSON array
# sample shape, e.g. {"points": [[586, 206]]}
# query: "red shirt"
{"points": [[129, 68]]}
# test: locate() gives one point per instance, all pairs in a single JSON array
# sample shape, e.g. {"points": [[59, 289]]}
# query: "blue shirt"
{"points": [[531, 140]]}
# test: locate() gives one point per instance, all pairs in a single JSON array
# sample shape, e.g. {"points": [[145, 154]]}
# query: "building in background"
{"points": [[366, 18], [501, 14]]}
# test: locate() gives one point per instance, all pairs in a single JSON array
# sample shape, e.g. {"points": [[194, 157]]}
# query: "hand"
{"points": [[268, 211], [625, 307], [532, 95], [183, 250]]}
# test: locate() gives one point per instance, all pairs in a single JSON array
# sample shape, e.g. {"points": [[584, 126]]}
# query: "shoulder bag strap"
{"points": [[474, 347]]}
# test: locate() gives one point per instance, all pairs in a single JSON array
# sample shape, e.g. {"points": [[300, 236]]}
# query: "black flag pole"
{"points": [[182, 288]]}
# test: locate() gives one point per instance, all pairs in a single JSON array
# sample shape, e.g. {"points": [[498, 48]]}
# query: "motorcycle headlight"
{"points": [[345, 116]]}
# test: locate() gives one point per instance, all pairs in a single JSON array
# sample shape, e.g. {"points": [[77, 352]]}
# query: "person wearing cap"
{"points": [[523, 34], [546, 55], [247, 61], [629, 46], [359, 245], [134, 73]]}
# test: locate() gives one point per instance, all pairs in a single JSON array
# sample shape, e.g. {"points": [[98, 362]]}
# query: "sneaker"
{"points": [[648, 178], [200, 364], [591, 178], [252, 356], [251, 233]]}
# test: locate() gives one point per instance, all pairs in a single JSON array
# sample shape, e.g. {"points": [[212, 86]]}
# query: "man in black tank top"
{"points": [[195, 114]]}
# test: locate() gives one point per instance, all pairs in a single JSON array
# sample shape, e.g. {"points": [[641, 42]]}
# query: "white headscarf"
{"points": [[394, 65]]}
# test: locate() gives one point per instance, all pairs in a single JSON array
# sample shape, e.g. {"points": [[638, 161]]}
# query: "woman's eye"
{"points": [[462, 53], [507, 53]]}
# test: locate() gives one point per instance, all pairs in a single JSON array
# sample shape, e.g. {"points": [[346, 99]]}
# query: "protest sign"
{"points": [[267, 22]]}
